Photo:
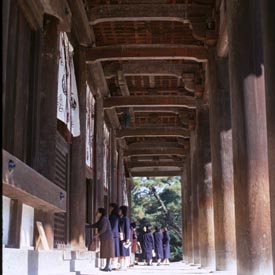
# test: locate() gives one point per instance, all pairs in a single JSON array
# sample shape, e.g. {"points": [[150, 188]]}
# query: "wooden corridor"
{"points": [[97, 92]]}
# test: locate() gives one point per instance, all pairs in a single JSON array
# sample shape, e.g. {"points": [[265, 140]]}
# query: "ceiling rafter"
{"points": [[153, 132], [138, 101], [147, 52]]}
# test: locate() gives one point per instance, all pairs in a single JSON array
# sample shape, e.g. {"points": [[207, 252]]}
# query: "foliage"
{"points": [[146, 209]]}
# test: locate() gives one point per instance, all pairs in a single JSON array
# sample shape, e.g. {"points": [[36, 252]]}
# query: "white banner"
{"points": [[106, 154], [67, 98], [90, 104]]}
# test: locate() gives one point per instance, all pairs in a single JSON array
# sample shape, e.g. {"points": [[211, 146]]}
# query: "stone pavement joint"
{"points": [[174, 268]]}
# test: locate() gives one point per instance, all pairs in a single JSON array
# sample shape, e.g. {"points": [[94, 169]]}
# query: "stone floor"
{"points": [[173, 268]]}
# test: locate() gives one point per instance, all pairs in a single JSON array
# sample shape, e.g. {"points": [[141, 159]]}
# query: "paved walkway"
{"points": [[173, 268]]}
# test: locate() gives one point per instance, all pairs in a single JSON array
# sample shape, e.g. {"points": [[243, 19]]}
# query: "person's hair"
{"points": [[115, 207], [149, 227], [157, 228], [123, 209], [133, 225], [165, 228], [102, 211]]}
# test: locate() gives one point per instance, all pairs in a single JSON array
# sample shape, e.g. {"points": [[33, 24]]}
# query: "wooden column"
{"points": [[183, 217], [114, 196], [99, 139], [120, 180], [204, 179], [222, 163], [194, 206], [45, 159], [77, 203], [129, 188], [184, 203], [188, 252], [15, 224], [268, 20], [249, 133]]}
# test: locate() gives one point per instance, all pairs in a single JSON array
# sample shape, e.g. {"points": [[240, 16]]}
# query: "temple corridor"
{"points": [[97, 93]]}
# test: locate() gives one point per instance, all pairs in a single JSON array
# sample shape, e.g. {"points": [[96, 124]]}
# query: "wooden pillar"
{"points": [[45, 159], [184, 217], [120, 180], [114, 195], [204, 179], [194, 207], [222, 163], [15, 224], [99, 139], [268, 20], [77, 190], [129, 188], [188, 250], [249, 133]]}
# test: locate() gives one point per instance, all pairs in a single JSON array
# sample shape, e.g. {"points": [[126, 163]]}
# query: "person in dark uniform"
{"points": [[166, 245], [158, 237], [106, 237], [114, 221], [124, 236], [144, 229], [148, 245]]}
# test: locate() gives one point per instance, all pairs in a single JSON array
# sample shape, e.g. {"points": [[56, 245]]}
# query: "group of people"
{"points": [[119, 242], [156, 245]]}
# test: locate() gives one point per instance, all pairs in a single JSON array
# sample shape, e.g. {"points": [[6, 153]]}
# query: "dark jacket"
{"points": [[114, 221], [148, 245], [158, 237], [166, 245], [104, 229], [124, 226]]}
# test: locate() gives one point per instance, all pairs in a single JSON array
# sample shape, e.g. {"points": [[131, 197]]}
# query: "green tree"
{"points": [[146, 209]]}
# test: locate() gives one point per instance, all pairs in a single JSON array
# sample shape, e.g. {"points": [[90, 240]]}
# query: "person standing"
{"points": [[124, 236], [106, 237], [166, 245], [114, 221], [148, 245], [144, 230], [158, 238], [135, 244]]}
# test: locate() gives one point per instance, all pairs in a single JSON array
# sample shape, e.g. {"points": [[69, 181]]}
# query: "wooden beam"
{"points": [[222, 43], [124, 87], [80, 23], [28, 186], [161, 91], [184, 13], [155, 151], [158, 68], [147, 52], [172, 110], [60, 10], [157, 173], [156, 144], [147, 101], [152, 132], [133, 164]]}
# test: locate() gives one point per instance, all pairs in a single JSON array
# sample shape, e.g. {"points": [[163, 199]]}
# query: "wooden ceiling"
{"points": [[149, 57]]}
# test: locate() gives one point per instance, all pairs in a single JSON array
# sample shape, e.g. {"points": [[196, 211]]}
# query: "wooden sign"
{"points": [[42, 237]]}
